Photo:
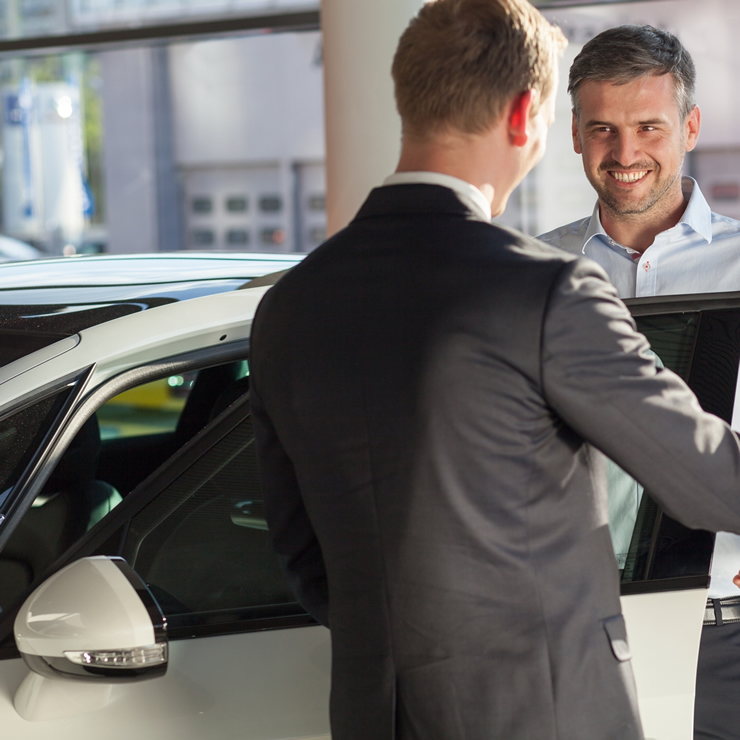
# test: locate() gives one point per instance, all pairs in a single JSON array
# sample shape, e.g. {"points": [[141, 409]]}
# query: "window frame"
{"points": [[224, 26]]}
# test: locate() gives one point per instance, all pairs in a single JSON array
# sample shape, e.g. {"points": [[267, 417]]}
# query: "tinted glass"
{"points": [[152, 408], [22, 433], [202, 545], [672, 337], [703, 347], [125, 441], [27, 552]]}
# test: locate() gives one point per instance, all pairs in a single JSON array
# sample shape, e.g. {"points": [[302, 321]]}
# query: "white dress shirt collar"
{"points": [[470, 195]]}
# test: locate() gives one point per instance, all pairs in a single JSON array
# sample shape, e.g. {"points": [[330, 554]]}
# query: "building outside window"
{"points": [[163, 125]]}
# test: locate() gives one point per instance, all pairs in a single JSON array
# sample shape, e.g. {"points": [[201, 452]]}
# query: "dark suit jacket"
{"points": [[424, 386]]}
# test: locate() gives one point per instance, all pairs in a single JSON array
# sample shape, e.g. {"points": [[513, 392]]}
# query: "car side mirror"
{"points": [[90, 625]]}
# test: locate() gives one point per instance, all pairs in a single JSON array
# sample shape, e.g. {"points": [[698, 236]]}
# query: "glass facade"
{"points": [[165, 140], [213, 144]]}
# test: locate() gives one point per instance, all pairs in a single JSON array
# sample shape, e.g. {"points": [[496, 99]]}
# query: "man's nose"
{"points": [[626, 149]]}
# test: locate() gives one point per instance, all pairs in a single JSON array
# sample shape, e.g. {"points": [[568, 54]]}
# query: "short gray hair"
{"points": [[625, 53]]}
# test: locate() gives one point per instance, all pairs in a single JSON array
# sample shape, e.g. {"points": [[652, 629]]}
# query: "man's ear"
{"points": [[520, 111], [691, 128], [577, 148]]}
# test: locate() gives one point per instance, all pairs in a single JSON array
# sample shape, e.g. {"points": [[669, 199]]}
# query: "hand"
{"points": [[736, 580]]}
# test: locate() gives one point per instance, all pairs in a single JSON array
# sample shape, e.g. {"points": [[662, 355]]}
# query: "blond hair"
{"points": [[460, 62]]}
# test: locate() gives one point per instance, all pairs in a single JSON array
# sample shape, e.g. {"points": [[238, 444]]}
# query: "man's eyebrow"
{"points": [[648, 122]]}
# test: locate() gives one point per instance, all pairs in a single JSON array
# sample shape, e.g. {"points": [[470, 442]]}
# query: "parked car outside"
{"points": [[126, 436], [13, 250]]}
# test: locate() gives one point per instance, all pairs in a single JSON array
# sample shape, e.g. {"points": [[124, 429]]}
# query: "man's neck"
{"points": [[638, 230], [478, 159]]}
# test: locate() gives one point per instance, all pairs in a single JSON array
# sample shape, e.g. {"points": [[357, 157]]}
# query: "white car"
{"points": [[136, 577]]}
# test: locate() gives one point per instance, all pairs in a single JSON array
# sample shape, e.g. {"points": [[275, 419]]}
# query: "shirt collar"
{"points": [[594, 228], [697, 216], [468, 194]]}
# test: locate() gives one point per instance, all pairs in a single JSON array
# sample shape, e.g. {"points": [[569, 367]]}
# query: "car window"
{"points": [[117, 447], [703, 347], [157, 407], [152, 408], [21, 434], [21, 438], [202, 544]]}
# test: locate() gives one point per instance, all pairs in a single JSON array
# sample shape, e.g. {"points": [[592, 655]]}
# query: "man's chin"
{"points": [[626, 204]]}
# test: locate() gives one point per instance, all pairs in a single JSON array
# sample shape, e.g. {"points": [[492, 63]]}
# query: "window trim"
{"points": [[175, 365], [662, 585], [169, 32], [647, 306]]}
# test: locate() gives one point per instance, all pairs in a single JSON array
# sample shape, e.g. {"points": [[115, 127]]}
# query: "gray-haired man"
{"points": [[634, 118]]}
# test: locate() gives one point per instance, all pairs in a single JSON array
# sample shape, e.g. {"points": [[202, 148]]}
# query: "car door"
{"points": [[665, 571], [245, 660]]}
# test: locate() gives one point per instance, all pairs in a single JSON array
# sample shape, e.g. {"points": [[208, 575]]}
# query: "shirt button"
{"points": [[646, 266]]}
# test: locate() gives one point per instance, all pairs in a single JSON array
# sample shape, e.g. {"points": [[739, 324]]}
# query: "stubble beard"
{"points": [[655, 195]]}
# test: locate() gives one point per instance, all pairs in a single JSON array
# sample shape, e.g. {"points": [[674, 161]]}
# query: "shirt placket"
{"points": [[646, 279]]}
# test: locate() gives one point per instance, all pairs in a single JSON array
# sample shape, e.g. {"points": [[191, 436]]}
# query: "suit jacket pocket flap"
{"points": [[616, 631]]}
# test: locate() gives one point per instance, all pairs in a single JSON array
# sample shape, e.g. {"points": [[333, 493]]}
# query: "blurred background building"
{"points": [[161, 125]]}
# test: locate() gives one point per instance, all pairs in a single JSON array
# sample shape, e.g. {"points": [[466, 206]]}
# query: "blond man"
{"points": [[425, 386]]}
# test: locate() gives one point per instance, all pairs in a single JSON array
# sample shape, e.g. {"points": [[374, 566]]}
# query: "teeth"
{"points": [[629, 176]]}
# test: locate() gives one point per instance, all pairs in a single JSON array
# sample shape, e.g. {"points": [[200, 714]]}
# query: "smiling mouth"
{"points": [[634, 176]]}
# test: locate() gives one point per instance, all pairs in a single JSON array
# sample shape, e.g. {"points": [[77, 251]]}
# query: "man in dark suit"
{"points": [[427, 389]]}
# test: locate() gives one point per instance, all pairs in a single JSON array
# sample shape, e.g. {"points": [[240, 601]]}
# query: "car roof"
{"points": [[139, 269], [44, 301]]}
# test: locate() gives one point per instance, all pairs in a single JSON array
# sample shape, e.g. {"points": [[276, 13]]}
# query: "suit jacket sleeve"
{"points": [[599, 379], [293, 536]]}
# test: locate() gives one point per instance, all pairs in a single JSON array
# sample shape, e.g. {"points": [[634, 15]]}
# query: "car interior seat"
{"points": [[71, 502], [208, 387]]}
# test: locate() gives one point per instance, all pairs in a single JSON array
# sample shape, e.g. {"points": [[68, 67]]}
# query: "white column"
{"points": [[363, 131]]}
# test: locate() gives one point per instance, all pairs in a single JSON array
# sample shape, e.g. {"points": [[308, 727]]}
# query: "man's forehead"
{"points": [[644, 99]]}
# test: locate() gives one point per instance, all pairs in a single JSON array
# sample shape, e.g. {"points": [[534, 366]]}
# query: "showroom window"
{"points": [[179, 138]]}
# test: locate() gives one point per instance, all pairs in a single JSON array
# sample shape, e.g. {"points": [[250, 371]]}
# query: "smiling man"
{"points": [[634, 119], [633, 137]]}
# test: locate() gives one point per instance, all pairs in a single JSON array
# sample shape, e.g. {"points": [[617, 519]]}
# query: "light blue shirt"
{"points": [[700, 254]]}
